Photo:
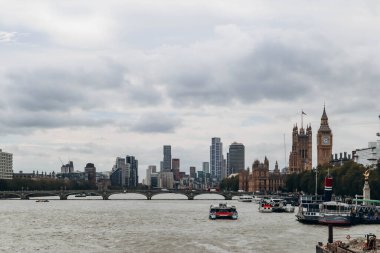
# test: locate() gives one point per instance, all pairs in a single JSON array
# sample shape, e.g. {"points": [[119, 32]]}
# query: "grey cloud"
{"points": [[88, 148], [24, 123], [275, 71], [156, 123], [53, 89]]}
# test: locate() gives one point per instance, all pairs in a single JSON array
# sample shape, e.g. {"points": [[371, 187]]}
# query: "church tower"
{"points": [[324, 141], [301, 155]]}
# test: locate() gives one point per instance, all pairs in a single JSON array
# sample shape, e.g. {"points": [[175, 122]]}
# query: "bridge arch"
{"points": [[127, 195], [209, 195], [169, 195]]}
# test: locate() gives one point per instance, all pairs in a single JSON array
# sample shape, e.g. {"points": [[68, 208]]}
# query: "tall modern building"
{"points": [[216, 158], [193, 173], [235, 158], [166, 179], [175, 168], [324, 141], [6, 165], [206, 167], [134, 168], [90, 170], [167, 162], [149, 172], [67, 168], [122, 176]]}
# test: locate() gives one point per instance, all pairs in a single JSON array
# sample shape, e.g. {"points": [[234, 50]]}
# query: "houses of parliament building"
{"points": [[300, 159]]}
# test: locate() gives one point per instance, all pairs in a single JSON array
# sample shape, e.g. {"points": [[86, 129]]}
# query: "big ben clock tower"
{"points": [[324, 141]]}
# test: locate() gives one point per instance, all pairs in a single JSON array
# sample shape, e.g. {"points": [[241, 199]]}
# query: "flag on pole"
{"points": [[303, 113]]}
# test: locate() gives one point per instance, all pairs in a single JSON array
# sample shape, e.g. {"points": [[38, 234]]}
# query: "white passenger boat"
{"points": [[289, 208], [256, 199], [335, 213], [245, 198], [277, 205]]}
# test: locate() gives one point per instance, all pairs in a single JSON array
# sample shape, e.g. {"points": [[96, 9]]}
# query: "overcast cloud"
{"points": [[90, 82]]}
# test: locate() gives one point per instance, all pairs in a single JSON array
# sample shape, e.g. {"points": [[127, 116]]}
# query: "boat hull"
{"points": [[335, 220]]}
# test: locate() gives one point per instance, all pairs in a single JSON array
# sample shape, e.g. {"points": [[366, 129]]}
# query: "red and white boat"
{"points": [[223, 211], [265, 207]]}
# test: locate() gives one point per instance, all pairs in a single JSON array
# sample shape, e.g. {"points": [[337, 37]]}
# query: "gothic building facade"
{"points": [[261, 179], [301, 156], [324, 141]]}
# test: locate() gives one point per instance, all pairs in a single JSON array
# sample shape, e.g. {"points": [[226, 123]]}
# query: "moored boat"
{"points": [[309, 208], [223, 211], [335, 213], [277, 205], [289, 208], [81, 195], [310, 205]]}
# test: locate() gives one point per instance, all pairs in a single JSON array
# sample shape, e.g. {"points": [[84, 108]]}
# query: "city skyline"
{"points": [[89, 87]]}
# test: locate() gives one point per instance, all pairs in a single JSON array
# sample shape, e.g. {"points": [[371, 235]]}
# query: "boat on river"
{"points": [[335, 213], [277, 205], [245, 198], [223, 211], [42, 200], [265, 207], [309, 208], [289, 208], [81, 195], [310, 205]]}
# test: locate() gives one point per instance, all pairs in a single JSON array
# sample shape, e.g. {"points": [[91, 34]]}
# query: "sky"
{"points": [[89, 82]]}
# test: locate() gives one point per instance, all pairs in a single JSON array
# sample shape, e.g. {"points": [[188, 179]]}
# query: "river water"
{"points": [[158, 225]]}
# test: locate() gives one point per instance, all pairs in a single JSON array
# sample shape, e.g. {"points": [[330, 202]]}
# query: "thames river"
{"points": [[158, 225]]}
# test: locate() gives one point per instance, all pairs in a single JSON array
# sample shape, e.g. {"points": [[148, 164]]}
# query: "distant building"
{"points": [[74, 176], [300, 158], [33, 175], [206, 167], [368, 156], [6, 165], [151, 170], [67, 168], [120, 174], [167, 162], [90, 170], [193, 174], [216, 158], [175, 168], [154, 180], [134, 169], [338, 161], [261, 179], [166, 179], [117, 177], [235, 158]]}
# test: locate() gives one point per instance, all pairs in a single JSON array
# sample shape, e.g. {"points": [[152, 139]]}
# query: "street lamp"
{"points": [[316, 181]]}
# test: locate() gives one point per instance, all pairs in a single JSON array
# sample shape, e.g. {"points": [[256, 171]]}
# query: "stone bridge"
{"points": [[105, 194]]}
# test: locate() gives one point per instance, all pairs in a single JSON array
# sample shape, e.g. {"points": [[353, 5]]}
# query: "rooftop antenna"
{"points": [[61, 160], [378, 133], [284, 152]]}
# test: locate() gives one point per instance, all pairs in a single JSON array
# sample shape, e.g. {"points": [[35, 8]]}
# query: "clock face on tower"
{"points": [[325, 140]]}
